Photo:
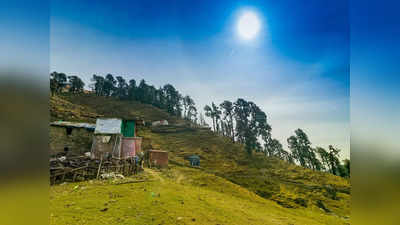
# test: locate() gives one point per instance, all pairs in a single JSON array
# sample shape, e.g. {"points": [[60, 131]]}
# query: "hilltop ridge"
{"points": [[225, 166]]}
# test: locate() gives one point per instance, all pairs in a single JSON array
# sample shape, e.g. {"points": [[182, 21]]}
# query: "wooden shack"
{"points": [[115, 138]]}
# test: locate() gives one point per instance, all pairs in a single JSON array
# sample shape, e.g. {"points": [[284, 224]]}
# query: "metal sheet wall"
{"points": [[128, 149], [138, 144], [128, 128], [158, 158], [102, 147]]}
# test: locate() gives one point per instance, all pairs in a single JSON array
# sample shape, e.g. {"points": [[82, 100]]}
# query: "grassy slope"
{"points": [[296, 189], [268, 177], [109, 107], [177, 196], [61, 109]]}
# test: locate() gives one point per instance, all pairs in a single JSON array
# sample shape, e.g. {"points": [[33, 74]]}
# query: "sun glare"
{"points": [[248, 25]]}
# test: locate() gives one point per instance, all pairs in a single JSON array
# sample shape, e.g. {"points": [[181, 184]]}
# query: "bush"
{"points": [[331, 192], [264, 194], [301, 201]]}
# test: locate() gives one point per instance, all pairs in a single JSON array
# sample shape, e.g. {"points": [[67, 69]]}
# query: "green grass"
{"points": [[176, 196], [230, 187], [270, 178]]}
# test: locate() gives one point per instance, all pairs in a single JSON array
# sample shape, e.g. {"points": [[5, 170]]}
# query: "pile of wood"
{"points": [[78, 168]]}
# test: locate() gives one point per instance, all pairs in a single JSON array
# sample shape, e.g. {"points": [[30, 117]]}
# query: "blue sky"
{"points": [[296, 68], [24, 39]]}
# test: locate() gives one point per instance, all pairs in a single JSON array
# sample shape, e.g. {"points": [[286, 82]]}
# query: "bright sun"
{"points": [[248, 25]]}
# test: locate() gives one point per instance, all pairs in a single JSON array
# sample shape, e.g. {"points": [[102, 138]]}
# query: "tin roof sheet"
{"points": [[108, 126], [73, 124]]}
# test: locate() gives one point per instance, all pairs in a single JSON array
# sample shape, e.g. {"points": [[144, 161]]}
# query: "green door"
{"points": [[128, 128]]}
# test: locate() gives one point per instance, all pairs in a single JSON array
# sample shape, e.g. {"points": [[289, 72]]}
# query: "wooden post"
{"points": [[98, 171], [74, 176]]}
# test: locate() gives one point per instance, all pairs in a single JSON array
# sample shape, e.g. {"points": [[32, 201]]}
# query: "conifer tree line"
{"points": [[167, 97], [244, 122]]}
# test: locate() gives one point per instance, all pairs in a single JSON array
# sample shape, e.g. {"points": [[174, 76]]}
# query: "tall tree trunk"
{"points": [[232, 130], [213, 123]]}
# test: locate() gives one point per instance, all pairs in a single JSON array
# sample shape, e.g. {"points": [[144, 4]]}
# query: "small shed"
{"points": [[71, 137], [157, 158], [107, 138], [194, 160], [116, 138]]}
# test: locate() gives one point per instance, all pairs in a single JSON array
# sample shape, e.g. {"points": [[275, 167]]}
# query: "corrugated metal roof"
{"points": [[108, 126], [74, 124], [194, 157]]}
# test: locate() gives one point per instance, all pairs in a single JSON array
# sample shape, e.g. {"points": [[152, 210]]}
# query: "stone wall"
{"points": [[78, 141]]}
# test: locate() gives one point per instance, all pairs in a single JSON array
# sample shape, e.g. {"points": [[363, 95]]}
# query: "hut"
{"points": [[106, 138], [70, 137], [194, 160], [115, 138], [157, 158]]}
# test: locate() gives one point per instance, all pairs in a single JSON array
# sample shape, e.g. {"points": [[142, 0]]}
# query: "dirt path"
{"points": [[155, 174]]}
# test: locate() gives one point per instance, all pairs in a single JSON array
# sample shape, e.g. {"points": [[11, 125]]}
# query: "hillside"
{"points": [[86, 108], [229, 188]]}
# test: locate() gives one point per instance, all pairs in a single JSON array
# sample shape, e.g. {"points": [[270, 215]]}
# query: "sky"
{"points": [[296, 68], [24, 40]]}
